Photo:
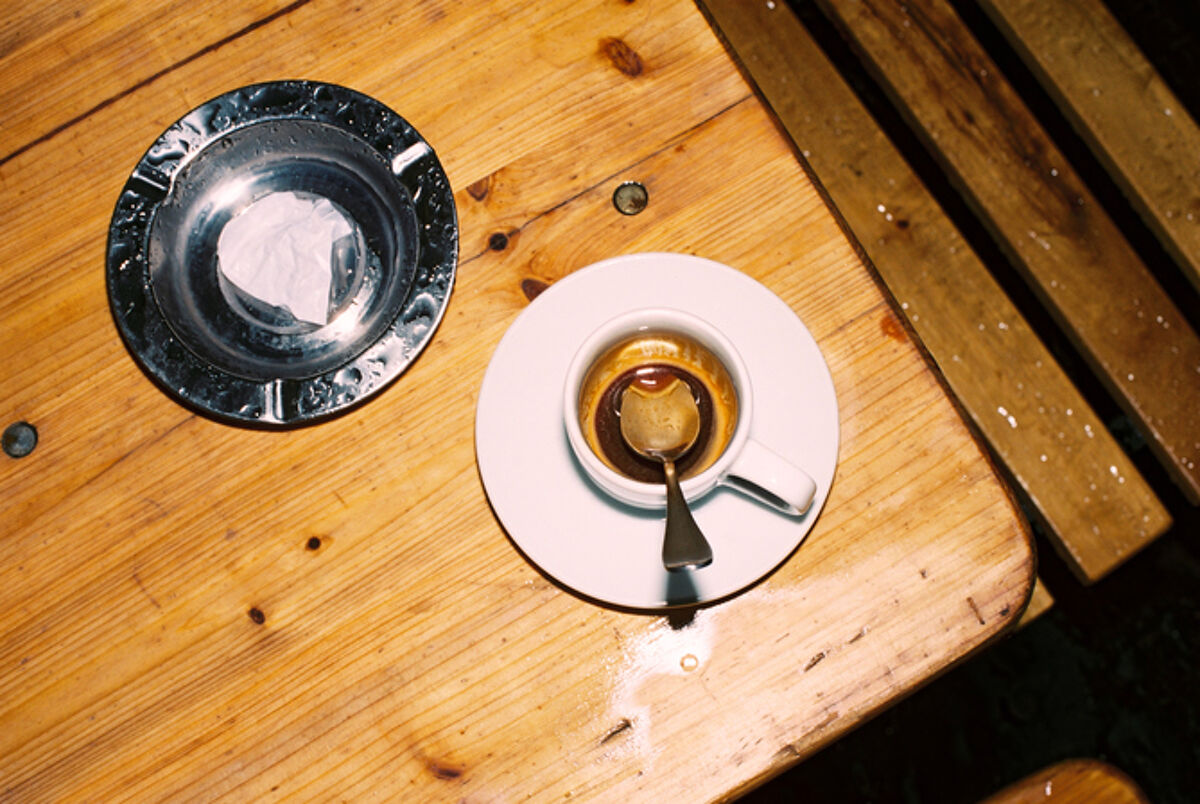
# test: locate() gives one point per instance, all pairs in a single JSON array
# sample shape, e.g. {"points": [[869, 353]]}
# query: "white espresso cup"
{"points": [[745, 464]]}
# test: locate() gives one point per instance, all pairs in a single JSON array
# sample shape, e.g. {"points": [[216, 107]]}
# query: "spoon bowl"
{"points": [[660, 423], [663, 423]]}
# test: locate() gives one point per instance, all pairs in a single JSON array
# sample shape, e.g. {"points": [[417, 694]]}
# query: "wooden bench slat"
{"points": [[1075, 781], [1020, 184], [1121, 106], [1098, 508]]}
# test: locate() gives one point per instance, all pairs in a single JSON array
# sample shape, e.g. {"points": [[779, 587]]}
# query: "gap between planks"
{"points": [[1049, 439], [1041, 213]]}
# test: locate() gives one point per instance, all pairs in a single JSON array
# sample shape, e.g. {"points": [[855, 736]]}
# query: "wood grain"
{"points": [[1039, 209], [168, 628], [1050, 441], [117, 46], [1119, 103], [1075, 781]]}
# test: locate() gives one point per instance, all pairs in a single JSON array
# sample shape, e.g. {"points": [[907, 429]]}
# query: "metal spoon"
{"points": [[663, 424]]}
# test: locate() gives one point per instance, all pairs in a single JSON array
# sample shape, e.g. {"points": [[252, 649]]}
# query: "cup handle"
{"points": [[767, 477]]}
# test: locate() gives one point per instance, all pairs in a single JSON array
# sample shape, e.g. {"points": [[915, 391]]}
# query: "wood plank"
{"points": [[60, 60], [1121, 106], [1038, 208], [1040, 602], [1075, 781], [1047, 436], [415, 654], [505, 182]]}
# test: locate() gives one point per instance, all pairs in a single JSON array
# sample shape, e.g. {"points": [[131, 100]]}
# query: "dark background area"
{"points": [[1112, 671]]}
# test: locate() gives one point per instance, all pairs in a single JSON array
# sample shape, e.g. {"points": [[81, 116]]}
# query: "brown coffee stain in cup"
{"points": [[617, 453], [656, 358]]}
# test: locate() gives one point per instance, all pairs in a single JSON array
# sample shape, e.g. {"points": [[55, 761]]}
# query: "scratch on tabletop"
{"points": [[134, 449], [625, 725], [444, 771], [145, 591], [975, 608]]}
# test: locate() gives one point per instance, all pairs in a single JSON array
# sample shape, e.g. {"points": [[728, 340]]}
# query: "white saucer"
{"points": [[576, 533]]}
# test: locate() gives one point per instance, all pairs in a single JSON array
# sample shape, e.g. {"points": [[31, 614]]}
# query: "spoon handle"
{"points": [[684, 546]]}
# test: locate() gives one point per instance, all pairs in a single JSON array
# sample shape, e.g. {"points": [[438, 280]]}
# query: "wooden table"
{"points": [[194, 610]]}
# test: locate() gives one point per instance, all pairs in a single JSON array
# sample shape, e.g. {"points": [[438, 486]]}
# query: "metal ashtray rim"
{"points": [[288, 391]]}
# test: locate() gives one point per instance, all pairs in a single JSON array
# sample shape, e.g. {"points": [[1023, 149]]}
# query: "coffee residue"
{"points": [[657, 357], [608, 422]]}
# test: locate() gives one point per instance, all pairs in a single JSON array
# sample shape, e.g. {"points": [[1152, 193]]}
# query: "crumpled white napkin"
{"points": [[280, 250]]}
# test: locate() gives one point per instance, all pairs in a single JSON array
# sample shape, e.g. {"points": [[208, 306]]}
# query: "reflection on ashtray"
{"points": [[282, 252]]}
